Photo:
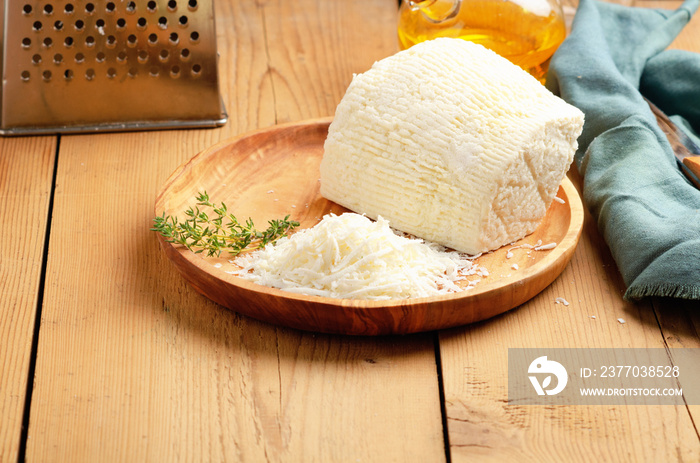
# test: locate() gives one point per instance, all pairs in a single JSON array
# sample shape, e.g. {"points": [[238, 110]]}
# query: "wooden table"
{"points": [[106, 354]]}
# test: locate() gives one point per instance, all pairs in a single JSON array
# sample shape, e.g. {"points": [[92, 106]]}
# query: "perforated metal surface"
{"points": [[96, 65]]}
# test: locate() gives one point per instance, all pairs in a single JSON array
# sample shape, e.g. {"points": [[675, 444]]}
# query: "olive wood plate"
{"points": [[269, 173]]}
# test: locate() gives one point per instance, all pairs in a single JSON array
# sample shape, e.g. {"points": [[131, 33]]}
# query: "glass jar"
{"points": [[526, 32]]}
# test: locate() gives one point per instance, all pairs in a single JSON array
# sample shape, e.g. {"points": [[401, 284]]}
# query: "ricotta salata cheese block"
{"points": [[451, 143]]}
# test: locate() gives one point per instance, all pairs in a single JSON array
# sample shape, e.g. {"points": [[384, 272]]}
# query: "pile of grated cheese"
{"points": [[350, 256]]}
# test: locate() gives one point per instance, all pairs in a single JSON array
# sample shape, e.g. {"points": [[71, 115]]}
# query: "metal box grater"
{"points": [[94, 65]]}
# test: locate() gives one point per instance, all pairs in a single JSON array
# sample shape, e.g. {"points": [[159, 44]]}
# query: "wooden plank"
{"points": [[679, 321], [134, 365], [26, 171], [316, 50], [481, 424], [680, 326]]}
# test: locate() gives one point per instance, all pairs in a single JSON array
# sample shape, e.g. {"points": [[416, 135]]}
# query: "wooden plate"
{"points": [[273, 172]]}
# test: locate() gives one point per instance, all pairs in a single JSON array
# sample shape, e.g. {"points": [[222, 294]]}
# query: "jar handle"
{"points": [[436, 11]]}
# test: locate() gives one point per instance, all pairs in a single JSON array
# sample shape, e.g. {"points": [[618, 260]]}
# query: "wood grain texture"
{"points": [[693, 164], [26, 170], [482, 426], [273, 172], [134, 365], [679, 321]]}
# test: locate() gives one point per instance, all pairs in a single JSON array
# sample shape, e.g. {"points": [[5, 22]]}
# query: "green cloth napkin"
{"points": [[647, 211]]}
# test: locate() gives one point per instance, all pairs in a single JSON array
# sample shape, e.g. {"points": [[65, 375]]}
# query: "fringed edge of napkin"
{"points": [[663, 290]]}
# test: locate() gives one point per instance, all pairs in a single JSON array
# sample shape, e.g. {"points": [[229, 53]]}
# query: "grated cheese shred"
{"points": [[352, 257]]}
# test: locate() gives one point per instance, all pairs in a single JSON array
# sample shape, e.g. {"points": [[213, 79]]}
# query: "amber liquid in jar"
{"points": [[527, 38]]}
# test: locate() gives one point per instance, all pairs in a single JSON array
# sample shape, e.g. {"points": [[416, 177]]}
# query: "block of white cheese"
{"points": [[451, 143]]}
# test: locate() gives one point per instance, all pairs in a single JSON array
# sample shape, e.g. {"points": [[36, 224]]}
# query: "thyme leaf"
{"points": [[201, 233]]}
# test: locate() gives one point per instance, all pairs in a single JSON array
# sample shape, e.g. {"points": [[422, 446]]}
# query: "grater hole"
{"points": [[26, 42], [121, 56], [68, 42], [100, 23], [111, 41], [110, 7], [36, 59], [57, 58], [131, 40], [27, 9], [152, 39], [183, 20], [100, 57], [68, 74], [175, 72], [155, 70], [121, 23], [89, 74], [37, 26], [194, 37], [133, 72], [79, 25], [111, 73], [141, 23], [131, 7], [185, 54], [152, 6], [48, 9], [172, 5], [46, 75], [192, 5], [58, 25], [163, 22], [25, 76], [69, 8], [142, 56], [47, 42], [79, 58], [164, 55], [174, 38], [89, 41], [89, 8], [196, 70]]}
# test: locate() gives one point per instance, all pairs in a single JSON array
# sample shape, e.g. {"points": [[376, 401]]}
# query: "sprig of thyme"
{"points": [[200, 233]]}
